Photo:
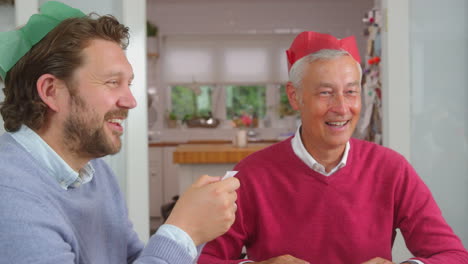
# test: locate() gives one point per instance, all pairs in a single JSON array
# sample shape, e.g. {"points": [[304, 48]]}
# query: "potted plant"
{"points": [[152, 39], [151, 29], [172, 120]]}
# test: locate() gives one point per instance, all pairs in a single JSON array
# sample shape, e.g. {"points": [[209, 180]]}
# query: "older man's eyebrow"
{"points": [[351, 84], [326, 85]]}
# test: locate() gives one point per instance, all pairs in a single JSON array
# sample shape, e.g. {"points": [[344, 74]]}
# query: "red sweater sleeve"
{"points": [[426, 233]]}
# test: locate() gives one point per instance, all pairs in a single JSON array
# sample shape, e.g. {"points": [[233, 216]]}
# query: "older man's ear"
{"points": [[293, 96]]}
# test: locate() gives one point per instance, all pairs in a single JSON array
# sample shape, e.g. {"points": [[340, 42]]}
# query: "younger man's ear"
{"points": [[49, 88], [291, 91]]}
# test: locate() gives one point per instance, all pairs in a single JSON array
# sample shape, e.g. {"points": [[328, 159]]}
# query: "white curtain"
{"points": [[225, 59]]}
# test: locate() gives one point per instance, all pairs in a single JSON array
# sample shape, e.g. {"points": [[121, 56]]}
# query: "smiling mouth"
{"points": [[116, 125], [115, 121], [337, 124]]}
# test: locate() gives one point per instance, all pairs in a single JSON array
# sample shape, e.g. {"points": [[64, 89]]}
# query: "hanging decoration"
{"points": [[370, 125]]}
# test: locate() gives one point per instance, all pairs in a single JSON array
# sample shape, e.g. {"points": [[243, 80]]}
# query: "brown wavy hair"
{"points": [[59, 53]]}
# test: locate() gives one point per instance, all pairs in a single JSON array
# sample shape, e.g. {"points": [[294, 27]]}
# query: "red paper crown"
{"points": [[309, 42]]}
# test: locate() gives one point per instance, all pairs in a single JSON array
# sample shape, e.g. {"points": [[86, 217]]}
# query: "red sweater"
{"points": [[284, 207]]}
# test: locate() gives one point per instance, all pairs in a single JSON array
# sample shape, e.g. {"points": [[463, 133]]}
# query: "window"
{"points": [[241, 74], [191, 101], [245, 99]]}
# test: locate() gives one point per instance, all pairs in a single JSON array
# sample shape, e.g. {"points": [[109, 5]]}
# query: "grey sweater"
{"points": [[40, 222]]}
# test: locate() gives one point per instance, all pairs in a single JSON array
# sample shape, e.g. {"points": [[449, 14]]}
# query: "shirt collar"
{"points": [[55, 165], [304, 155]]}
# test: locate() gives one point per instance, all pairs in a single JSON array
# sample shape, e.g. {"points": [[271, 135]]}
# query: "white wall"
{"points": [[7, 17], [439, 111], [425, 93], [136, 131], [395, 90], [396, 76]]}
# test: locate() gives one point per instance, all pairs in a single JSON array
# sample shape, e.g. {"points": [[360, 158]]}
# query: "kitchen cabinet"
{"points": [[174, 166], [163, 180]]}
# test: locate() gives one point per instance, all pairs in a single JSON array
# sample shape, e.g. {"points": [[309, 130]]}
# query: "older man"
{"points": [[67, 92], [322, 196]]}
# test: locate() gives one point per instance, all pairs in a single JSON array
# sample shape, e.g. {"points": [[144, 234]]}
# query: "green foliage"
{"points": [[172, 115], [245, 100], [187, 105], [151, 29]]}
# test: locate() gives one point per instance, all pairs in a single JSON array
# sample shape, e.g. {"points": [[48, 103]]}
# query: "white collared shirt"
{"points": [[304, 155]]}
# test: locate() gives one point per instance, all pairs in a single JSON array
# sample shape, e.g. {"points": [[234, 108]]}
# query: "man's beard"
{"points": [[84, 130]]}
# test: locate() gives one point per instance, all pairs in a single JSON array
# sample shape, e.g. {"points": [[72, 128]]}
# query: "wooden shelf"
{"points": [[214, 153], [153, 55], [205, 142]]}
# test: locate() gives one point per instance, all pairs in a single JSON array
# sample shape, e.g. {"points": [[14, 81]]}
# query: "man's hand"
{"points": [[378, 261], [207, 209], [284, 259]]}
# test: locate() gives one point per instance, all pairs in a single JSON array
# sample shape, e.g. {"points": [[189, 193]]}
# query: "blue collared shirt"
{"points": [[55, 165]]}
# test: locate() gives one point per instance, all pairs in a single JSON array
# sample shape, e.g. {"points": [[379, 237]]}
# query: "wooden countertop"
{"points": [[177, 143], [214, 153]]}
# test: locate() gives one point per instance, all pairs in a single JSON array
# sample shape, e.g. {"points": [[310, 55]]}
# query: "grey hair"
{"points": [[297, 70]]}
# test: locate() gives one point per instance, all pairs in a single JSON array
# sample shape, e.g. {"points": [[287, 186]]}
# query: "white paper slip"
{"points": [[229, 174]]}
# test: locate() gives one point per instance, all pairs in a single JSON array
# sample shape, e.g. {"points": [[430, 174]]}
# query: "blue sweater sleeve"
{"points": [[160, 249]]}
